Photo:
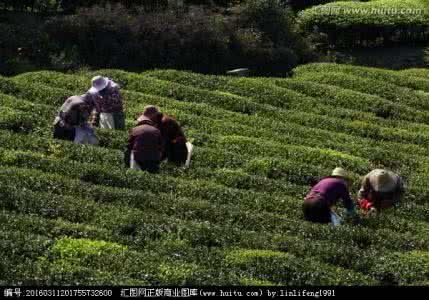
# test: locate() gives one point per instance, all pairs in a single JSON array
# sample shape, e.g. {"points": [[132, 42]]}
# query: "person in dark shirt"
{"points": [[145, 145], [174, 140]]}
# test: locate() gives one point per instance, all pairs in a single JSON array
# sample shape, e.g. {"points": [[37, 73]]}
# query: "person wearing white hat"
{"points": [[380, 189], [109, 111], [319, 201]]}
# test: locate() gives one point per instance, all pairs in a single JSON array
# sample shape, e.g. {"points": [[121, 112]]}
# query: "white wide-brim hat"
{"points": [[340, 172], [99, 83], [383, 180]]}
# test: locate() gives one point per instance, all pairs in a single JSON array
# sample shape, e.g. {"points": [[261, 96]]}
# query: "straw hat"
{"points": [[340, 172], [382, 180], [99, 83]]}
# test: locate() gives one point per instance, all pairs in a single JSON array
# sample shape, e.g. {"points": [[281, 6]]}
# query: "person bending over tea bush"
{"points": [[108, 104], [145, 145], [71, 122], [319, 201], [380, 189], [175, 148]]}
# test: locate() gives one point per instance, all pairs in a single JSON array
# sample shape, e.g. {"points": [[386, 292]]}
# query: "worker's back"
{"points": [[174, 140], [145, 141]]}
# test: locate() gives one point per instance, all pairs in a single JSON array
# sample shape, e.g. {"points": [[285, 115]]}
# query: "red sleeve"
{"points": [[365, 204]]}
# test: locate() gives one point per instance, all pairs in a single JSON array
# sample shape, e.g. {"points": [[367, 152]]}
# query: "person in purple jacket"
{"points": [[319, 201]]}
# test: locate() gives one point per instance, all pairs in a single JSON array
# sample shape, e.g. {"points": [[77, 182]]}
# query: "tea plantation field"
{"points": [[74, 215]]}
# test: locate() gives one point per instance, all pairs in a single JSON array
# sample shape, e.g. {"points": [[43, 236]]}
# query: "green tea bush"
{"points": [[77, 260], [286, 269], [15, 248], [369, 23], [44, 95], [371, 86], [405, 78], [331, 96], [298, 5], [422, 73], [402, 268], [343, 96], [330, 253]]}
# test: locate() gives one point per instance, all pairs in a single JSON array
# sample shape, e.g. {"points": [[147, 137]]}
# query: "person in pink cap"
{"points": [[108, 103], [145, 144]]}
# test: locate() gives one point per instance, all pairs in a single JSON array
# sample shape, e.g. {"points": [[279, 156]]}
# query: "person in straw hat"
{"points": [[108, 104], [145, 145], [319, 201], [380, 189]]}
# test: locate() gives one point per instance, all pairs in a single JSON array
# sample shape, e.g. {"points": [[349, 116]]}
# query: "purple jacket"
{"points": [[332, 189], [111, 102]]}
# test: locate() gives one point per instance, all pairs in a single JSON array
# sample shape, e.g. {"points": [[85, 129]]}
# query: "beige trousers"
{"points": [[107, 121]]}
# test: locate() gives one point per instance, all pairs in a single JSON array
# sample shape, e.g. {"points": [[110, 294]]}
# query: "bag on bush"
{"points": [[190, 148], [133, 164]]}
